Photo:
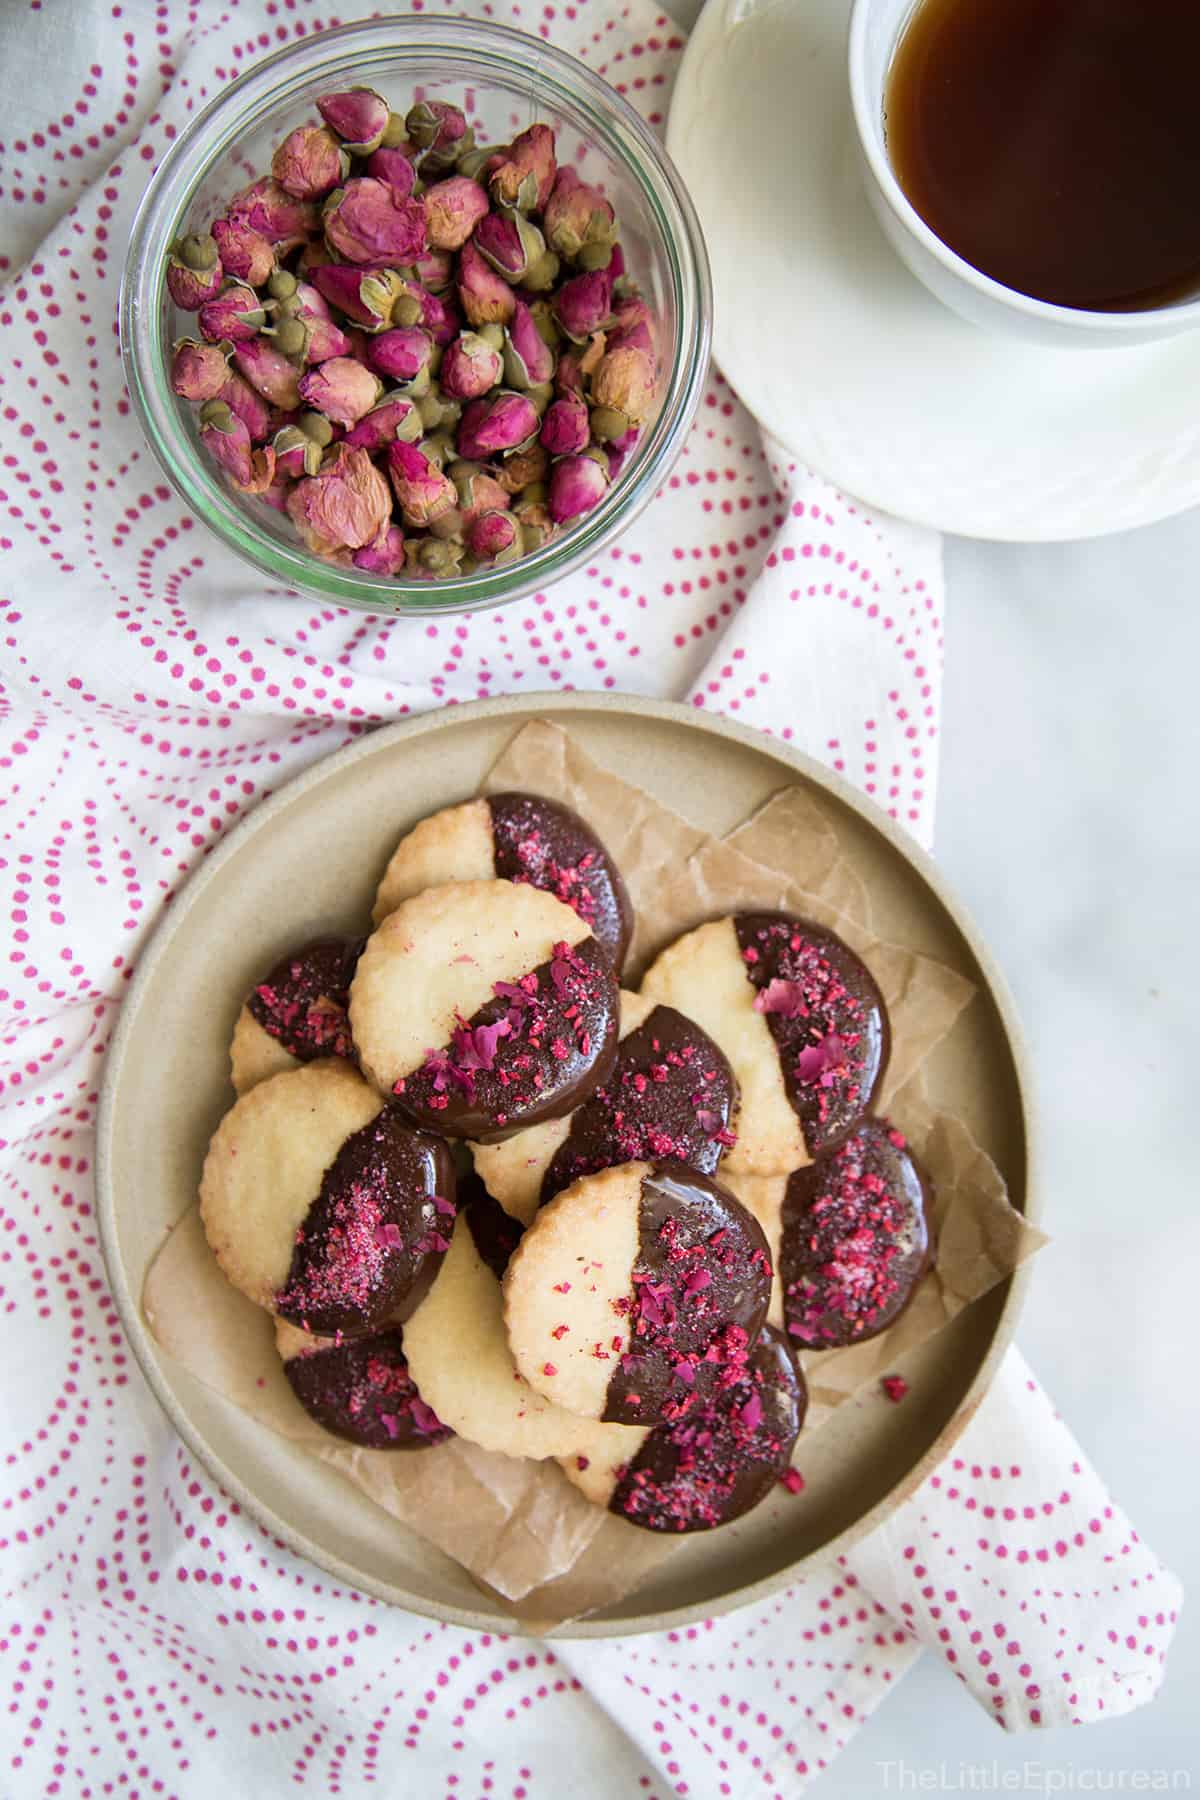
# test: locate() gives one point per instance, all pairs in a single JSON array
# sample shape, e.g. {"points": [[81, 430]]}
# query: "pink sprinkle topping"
{"points": [[475, 1047], [895, 1387], [445, 1206], [816, 1062], [425, 1419], [549, 1368], [779, 996], [389, 1236], [792, 1480], [751, 1413]]}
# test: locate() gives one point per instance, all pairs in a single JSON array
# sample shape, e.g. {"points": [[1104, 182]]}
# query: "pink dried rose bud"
{"points": [[385, 557], [435, 270], [437, 125], [485, 297], [422, 492], [494, 537], [262, 472], [296, 454], [528, 358], [367, 297], [631, 324], [478, 491], [245, 253], [620, 450], [470, 367], [437, 313], [522, 467], [582, 305], [343, 507], [234, 314], [365, 223], [401, 353], [269, 372], [194, 272], [395, 170], [511, 243], [453, 208], [504, 421], [359, 117], [250, 407], [537, 527], [315, 254], [282, 218], [576, 484], [396, 416], [225, 437], [323, 338], [526, 176], [624, 381], [576, 215], [341, 388], [200, 371], [566, 427], [309, 163]]}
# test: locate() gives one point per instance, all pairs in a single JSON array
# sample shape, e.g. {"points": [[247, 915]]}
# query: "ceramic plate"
{"points": [[307, 861], [846, 359]]}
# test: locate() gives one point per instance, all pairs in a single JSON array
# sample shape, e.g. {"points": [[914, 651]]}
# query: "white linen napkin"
{"points": [[153, 690]]}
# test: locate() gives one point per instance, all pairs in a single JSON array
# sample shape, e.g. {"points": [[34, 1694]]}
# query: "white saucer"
{"points": [[844, 357]]}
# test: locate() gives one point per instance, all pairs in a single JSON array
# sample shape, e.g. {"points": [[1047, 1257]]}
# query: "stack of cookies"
{"points": [[485, 1190]]}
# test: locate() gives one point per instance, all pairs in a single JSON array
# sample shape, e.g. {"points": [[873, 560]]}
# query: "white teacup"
{"points": [[876, 27]]}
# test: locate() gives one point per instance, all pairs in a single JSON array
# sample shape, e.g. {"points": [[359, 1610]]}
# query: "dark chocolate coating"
{"points": [[834, 996], [725, 1455], [671, 1094], [541, 842], [495, 1234], [701, 1286], [302, 1001], [855, 1239], [362, 1390], [373, 1238], [557, 1041]]}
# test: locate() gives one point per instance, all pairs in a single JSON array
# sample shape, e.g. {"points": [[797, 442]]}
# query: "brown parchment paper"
{"points": [[520, 1528]]}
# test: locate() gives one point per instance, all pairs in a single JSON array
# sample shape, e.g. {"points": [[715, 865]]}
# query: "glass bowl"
{"points": [[505, 81]]}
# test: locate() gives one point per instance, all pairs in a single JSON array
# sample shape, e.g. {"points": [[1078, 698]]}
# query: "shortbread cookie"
{"points": [[322, 1204], [483, 1007], [849, 1236], [710, 1466], [670, 1094], [296, 1013], [520, 838], [359, 1388], [457, 1347], [801, 1021], [632, 1289]]}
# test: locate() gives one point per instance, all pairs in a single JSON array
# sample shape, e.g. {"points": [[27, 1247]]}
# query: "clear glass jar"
{"points": [[505, 81]]}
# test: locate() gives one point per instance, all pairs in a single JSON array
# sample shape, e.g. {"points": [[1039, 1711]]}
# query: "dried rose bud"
{"points": [[583, 304], [621, 449], [470, 367], [396, 172], [344, 506], [437, 125], [528, 358], [439, 315], [485, 297], [225, 437], [439, 449], [432, 559], [511, 243], [576, 484], [576, 215], [366, 297], [200, 371], [296, 454], [385, 556], [478, 162], [478, 491], [422, 491], [234, 314], [268, 370], [453, 208], [280, 217], [624, 380], [566, 427], [250, 407], [541, 311], [359, 116], [631, 322], [435, 270], [526, 176], [504, 421], [341, 388], [194, 272], [522, 467], [365, 223], [262, 472], [494, 537], [396, 416], [245, 253], [323, 338], [537, 527], [400, 354], [310, 162]]}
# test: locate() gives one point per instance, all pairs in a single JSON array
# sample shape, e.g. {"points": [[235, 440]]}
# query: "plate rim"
{"points": [[525, 708]]}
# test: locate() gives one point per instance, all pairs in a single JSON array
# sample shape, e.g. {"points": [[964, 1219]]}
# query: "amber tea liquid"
{"points": [[1055, 144]]}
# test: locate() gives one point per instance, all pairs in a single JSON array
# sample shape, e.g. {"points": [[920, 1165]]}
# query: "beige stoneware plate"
{"points": [[308, 860]]}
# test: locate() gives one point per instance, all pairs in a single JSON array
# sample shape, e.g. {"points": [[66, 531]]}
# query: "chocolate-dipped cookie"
{"points": [[457, 1347], [800, 1019], [359, 1388], [482, 1007], [296, 1013], [519, 838], [849, 1236], [632, 1291], [710, 1466], [670, 1094], [324, 1205]]}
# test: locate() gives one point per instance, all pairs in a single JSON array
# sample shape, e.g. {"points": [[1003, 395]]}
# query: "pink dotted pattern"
{"points": [[152, 1640]]}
